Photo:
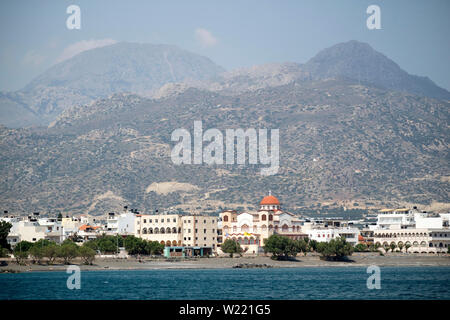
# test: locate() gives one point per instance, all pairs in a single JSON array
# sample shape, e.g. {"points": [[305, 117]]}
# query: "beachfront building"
{"points": [[414, 240], [250, 229], [415, 231], [189, 234]]}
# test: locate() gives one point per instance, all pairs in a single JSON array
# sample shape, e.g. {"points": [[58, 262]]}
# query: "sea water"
{"points": [[206, 284]]}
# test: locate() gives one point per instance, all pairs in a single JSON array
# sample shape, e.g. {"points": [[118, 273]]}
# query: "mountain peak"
{"points": [[358, 61]]}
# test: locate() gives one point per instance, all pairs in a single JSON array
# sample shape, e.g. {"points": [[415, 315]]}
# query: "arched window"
{"points": [[244, 228], [225, 218], [168, 230], [144, 231], [162, 230], [263, 217], [174, 230], [270, 217], [162, 242], [284, 228], [245, 240], [150, 230], [156, 230], [174, 243]]}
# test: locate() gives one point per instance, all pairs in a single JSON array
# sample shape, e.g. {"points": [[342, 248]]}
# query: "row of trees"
{"points": [[282, 247], [48, 251]]}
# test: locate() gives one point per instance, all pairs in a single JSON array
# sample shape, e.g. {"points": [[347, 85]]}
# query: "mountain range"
{"points": [[356, 131]]}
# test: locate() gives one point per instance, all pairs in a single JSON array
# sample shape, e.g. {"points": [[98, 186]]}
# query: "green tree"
{"points": [[281, 247], [336, 249], [407, 246], [392, 246], [87, 254], [68, 251], [303, 246], [153, 248], [5, 227], [37, 253], [312, 245], [231, 247], [50, 252], [135, 245], [361, 247]]}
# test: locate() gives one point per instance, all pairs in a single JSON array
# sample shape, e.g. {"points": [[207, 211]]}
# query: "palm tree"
{"points": [[393, 246], [407, 246]]}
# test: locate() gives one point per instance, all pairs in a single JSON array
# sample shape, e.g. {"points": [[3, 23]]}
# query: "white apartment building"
{"points": [[122, 223], [33, 229]]}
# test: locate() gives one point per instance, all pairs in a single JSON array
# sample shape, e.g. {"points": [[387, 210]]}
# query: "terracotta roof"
{"points": [[270, 200]]}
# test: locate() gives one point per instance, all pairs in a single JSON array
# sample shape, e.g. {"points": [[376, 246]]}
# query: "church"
{"points": [[251, 229]]}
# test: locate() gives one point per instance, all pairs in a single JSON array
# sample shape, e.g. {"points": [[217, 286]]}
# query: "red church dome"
{"points": [[270, 200]]}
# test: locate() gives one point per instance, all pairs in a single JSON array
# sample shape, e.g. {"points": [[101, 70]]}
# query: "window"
{"points": [[174, 220], [225, 218], [204, 221], [156, 220], [184, 238], [204, 238], [204, 230], [196, 230], [196, 221], [150, 221], [162, 220], [263, 218], [145, 221], [189, 230]]}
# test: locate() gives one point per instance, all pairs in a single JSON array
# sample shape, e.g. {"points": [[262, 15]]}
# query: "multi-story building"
{"points": [[415, 231], [122, 223], [33, 229], [197, 234]]}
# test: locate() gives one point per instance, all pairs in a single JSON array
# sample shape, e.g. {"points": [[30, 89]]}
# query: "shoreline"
{"points": [[259, 262]]}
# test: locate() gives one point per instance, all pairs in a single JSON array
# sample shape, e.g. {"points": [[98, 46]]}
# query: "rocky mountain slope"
{"points": [[345, 142], [341, 142], [100, 72]]}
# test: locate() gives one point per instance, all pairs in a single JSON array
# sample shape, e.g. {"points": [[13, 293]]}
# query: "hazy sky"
{"points": [[34, 36]]}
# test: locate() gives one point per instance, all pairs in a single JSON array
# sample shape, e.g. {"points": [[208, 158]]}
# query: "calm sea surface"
{"points": [[295, 283]]}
